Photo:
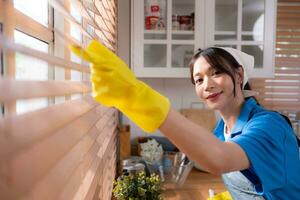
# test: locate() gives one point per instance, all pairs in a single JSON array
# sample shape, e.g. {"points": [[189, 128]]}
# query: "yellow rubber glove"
{"points": [[221, 196], [115, 85]]}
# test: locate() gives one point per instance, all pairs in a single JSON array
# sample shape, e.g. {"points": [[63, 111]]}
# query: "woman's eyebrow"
{"points": [[209, 70]]}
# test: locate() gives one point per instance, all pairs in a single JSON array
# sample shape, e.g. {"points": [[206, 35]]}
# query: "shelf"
{"points": [[234, 33], [182, 42], [158, 32], [174, 32], [179, 32]]}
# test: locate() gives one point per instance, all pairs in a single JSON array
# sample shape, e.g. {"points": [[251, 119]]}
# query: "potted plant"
{"points": [[138, 187]]}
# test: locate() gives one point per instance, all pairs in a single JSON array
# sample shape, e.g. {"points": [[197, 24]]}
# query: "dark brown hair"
{"points": [[220, 60]]}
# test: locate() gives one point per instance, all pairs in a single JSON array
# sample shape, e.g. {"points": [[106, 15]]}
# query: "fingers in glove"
{"points": [[98, 48], [97, 60], [80, 52]]}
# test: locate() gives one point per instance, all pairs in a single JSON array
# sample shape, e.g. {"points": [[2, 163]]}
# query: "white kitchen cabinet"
{"points": [[248, 25], [163, 49]]}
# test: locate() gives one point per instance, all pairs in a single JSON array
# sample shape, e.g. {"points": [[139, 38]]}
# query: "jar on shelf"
{"points": [[192, 21], [175, 22], [185, 22], [155, 12]]}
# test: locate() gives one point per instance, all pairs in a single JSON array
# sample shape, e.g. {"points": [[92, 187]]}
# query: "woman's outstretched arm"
{"points": [[202, 146]]}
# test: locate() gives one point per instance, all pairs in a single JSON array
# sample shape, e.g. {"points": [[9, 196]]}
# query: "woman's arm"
{"points": [[202, 146], [114, 84]]}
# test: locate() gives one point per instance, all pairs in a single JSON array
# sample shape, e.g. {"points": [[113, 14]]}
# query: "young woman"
{"points": [[255, 150]]}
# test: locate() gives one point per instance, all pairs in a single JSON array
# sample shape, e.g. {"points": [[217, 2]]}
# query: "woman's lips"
{"points": [[214, 96]]}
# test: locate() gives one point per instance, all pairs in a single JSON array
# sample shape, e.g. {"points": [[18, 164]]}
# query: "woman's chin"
{"points": [[216, 105]]}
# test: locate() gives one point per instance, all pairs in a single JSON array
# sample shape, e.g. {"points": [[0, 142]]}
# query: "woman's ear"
{"points": [[240, 75]]}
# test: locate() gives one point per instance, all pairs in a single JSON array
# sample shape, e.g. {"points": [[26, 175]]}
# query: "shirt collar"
{"points": [[241, 121], [244, 116]]}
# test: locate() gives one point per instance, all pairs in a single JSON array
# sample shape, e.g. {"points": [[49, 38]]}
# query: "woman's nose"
{"points": [[208, 83]]}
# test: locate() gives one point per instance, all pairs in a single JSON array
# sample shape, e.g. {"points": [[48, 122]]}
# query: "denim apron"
{"points": [[238, 185]]}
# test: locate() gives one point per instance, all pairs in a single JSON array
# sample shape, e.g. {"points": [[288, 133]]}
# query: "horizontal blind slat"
{"points": [[30, 165], [74, 187], [286, 77], [293, 71], [288, 33], [270, 89], [292, 97], [15, 89], [60, 62], [25, 23], [288, 60], [256, 84], [288, 52], [290, 40], [290, 65], [50, 186], [281, 8], [17, 132], [91, 179], [288, 45], [288, 1], [287, 15]]}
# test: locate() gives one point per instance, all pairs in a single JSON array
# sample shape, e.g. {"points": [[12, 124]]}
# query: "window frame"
{"points": [[32, 28], [1, 70], [1, 55]]}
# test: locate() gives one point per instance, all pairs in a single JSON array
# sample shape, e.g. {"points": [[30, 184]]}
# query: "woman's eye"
{"points": [[198, 81], [216, 72]]}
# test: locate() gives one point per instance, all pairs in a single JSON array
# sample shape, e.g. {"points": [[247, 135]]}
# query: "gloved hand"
{"points": [[115, 85], [221, 196]]}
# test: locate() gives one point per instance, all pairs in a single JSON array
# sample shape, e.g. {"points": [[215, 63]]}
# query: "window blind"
{"points": [[61, 144], [282, 93]]}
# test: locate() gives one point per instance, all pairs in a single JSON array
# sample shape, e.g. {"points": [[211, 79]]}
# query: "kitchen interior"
{"points": [[78, 153]]}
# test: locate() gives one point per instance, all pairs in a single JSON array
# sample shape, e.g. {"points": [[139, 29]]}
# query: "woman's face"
{"points": [[215, 89]]}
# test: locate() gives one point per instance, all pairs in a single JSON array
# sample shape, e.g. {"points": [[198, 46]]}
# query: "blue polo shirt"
{"points": [[271, 147]]}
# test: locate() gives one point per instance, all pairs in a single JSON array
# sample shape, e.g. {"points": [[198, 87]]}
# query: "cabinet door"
{"points": [[165, 35], [248, 25]]}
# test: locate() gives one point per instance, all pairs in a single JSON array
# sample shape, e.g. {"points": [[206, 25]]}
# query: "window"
{"points": [[28, 68], [76, 34], [29, 43], [38, 12]]}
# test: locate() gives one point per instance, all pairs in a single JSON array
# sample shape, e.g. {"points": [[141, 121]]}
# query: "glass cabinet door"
{"points": [[169, 36], [183, 34], [226, 15], [253, 29], [253, 20], [155, 55], [155, 33], [249, 25]]}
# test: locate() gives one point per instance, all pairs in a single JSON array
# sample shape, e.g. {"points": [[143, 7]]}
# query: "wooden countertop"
{"points": [[196, 187]]}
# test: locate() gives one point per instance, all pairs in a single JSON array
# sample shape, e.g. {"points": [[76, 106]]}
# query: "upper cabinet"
{"points": [[248, 25], [166, 33]]}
